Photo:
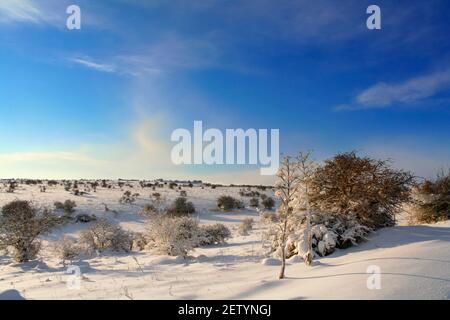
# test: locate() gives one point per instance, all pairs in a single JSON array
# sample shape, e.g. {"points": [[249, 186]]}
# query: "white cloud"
{"points": [[382, 95], [168, 55], [89, 63], [20, 10], [412, 90]]}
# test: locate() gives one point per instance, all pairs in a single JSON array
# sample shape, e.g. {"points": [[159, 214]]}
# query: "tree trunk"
{"points": [[283, 251]]}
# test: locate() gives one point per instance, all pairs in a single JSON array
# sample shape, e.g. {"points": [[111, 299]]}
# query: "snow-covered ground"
{"points": [[414, 260]]}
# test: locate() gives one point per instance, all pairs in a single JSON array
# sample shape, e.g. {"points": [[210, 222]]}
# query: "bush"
{"points": [[183, 193], [67, 249], [104, 235], [362, 188], [228, 203], [268, 203], [156, 195], [128, 197], [181, 207], [139, 241], [174, 236], [431, 201], [269, 218], [254, 202], [20, 225], [215, 234], [68, 206], [246, 226], [328, 232]]}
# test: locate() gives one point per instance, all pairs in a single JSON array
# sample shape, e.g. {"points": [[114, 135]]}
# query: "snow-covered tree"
{"points": [[286, 188], [306, 168]]}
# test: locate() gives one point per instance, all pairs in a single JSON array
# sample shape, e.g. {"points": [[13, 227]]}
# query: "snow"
{"points": [[414, 260]]}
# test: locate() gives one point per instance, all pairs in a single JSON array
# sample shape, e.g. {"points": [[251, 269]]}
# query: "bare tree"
{"points": [[366, 189], [286, 188]]}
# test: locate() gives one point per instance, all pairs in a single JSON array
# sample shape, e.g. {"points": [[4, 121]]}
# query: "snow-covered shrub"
{"points": [[360, 188], [68, 206], [246, 226], [12, 186], [268, 217], [174, 236], [139, 241], [183, 193], [67, 249], [104, 235], [181, 207], [254, 202], [21, 224], [328, 232], [158, 205], [249, 193], [228, 203], [215, 234], [268, 203], [128, 197], [431, 201]]}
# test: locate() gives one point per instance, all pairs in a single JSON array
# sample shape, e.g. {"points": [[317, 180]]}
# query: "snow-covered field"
{"points": [[414, 260]]}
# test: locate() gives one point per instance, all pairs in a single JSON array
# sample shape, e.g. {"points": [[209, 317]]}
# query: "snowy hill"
{"points": [[414, 261]]}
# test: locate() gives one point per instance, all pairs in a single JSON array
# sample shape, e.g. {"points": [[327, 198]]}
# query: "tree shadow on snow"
{"points": [[398, 236]]}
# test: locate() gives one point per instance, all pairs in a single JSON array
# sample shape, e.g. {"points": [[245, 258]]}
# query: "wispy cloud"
{"points": [[20, 10], [383, 95], [168, 55], [89, 63]]}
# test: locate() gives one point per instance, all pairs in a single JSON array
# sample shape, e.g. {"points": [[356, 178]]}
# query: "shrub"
{"points": [[268, 203], [67, 249], [431, 201], [172, 185], [85, 218], [246, 226], [11, 187], [68, 206], [269, 218], [148, 211], [254, 202], [104, 235], [360, 187], [174, 236], [156, 195], [228, 203], [181, 207], [328, 232], [20, 225], [139, 241], [249, 193], [215, 234], [128, 197], [183, 193]]}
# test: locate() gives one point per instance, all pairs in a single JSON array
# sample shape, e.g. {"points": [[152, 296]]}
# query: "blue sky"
{"points": [[102, 101]]}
